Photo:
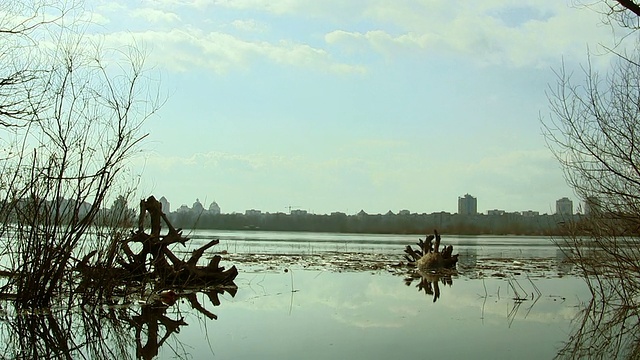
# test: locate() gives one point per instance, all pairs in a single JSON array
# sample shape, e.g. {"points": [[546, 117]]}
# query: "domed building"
{"points": [[197, 207], [214, 208]]}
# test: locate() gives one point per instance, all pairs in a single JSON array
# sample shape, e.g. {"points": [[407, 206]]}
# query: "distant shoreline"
{"points": [[406, 224]]}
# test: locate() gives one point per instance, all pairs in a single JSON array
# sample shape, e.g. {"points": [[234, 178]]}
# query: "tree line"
{"points": [[507, 224]]}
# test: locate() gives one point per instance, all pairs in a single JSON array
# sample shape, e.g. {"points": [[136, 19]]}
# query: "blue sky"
{"points": [[352, 105]]}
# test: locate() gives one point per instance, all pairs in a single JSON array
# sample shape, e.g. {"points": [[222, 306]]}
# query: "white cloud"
{"points": [[250, 25], [174, 4], [94, 18], [380, 41], [111, 6], [189, 48], [348, 37], [511, 33], [275, 7], [513, 180], [476, 33], [223, 159], [154, 15]]}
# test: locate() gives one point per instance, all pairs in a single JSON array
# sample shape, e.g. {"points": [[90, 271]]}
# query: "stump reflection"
{"points": [[123, 330], [119, 302], [432, 265], [429, 281]]}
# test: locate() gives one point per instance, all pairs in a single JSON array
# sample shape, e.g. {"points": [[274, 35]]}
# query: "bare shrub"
{"points": [[71, 113]]}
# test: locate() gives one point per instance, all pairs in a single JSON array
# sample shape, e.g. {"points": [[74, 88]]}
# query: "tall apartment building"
{"points": [[467, 205], [166, 206], [564, 206], [592, 206]]}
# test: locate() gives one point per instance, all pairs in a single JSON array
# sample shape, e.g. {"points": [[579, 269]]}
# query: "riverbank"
{"points": [[390, 223]]}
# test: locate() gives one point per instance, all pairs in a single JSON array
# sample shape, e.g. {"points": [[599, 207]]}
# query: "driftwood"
{"points": [[149, 275], [165, 266], [155, 260], [429, 256], [434, 266]]}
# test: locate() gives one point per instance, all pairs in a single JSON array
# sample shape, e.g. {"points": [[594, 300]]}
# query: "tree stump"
{"points": [[164, 265], [429, 256]]}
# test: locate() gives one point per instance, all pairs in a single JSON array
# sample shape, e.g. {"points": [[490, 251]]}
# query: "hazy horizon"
{"points": [[174, 207], [348, 106]]}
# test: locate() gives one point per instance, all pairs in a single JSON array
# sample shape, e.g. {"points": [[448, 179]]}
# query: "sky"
{"points": [[356, 105]]}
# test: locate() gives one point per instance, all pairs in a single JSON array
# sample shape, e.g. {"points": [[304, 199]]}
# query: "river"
{"points": [[300, 296]]}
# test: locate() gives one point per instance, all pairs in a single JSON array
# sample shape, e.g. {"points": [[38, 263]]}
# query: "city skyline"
{"points": [[560, 207], [343, 106]]}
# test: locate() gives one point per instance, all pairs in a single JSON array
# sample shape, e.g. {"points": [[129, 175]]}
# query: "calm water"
{"points": [[310, 243], [290, 311]]}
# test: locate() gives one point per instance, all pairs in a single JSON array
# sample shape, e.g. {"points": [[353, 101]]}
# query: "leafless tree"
{"points": [[621, 13], [71, 112], [594, 132], [22, 25]]}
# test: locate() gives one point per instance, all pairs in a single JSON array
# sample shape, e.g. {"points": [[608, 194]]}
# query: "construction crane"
{"points": [[291, 207]]}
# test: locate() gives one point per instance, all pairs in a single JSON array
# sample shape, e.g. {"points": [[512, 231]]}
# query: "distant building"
{"points": [[197, 207], [592, 205], [467, 205], [252, 212], [214, 208], [166, 206], [298, 212], [495, 212], [530, 213], [564, 206], [404, 212], [183, 209]]}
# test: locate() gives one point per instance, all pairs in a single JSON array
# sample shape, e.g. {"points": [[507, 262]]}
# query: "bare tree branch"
{"points": [[630, 5]]}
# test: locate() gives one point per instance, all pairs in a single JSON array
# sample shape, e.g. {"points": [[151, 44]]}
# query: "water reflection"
{"points": [[608, 324], [346, 305], [604, 329], [429, 281], [124, 330], [564, 265], [39, 336], [468, 256]]}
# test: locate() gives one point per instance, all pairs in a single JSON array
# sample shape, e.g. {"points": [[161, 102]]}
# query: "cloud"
{"points": [[175, 4], [280, 7], [188, 48], [119, 14], [250, 25], [478, 33], [510, 180], [497, 33], [380, 41], [94, 18], [154, 15], [250, 162], [111, 6]]}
